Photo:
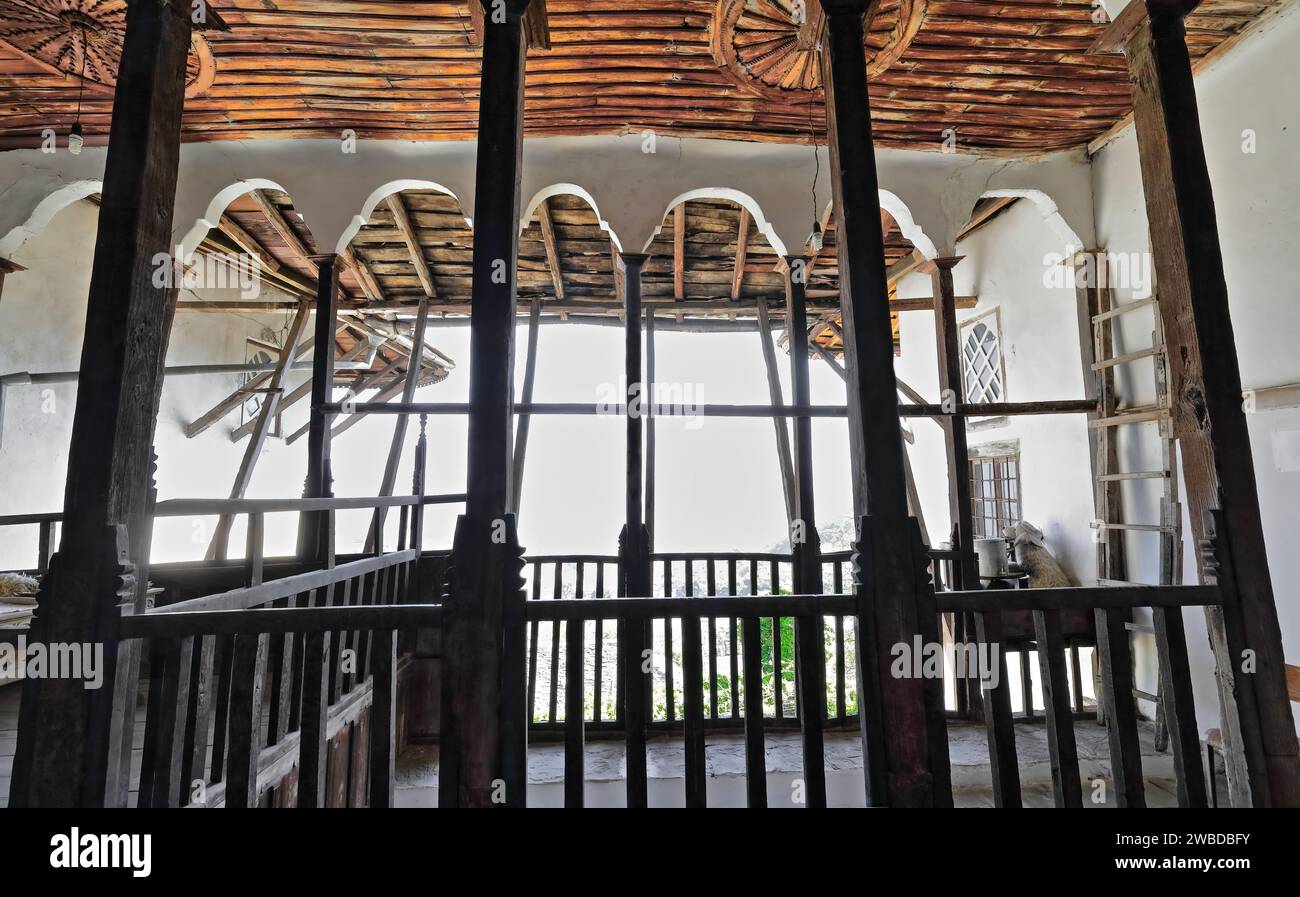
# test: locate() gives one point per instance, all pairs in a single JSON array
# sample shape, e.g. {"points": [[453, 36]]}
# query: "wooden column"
{"points": [[484, 727], [62, 753], [634, 547], [651, 442], [805, 543], [960, 509], [1208, 418], [522, 424], [783, 454], [316, 539], [375, 539], [903, 735], [637, 400], [948, 337]]}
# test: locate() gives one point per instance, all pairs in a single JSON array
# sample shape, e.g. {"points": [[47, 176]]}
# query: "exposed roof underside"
{"points": [[708, 262], [1012, 75]]}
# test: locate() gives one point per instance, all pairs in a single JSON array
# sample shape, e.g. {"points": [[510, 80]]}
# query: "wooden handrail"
{"points": [[200, 507], [252, 596], [1082, 598], [739, 606], [649, 409], [278, 620]]}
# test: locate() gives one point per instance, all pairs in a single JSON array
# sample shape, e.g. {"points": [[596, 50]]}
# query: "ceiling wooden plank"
{"points": [[742, 253], [552, 248], [403, 222]]}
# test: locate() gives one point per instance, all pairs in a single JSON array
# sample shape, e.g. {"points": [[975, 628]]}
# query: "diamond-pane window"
{"points": [[982, 361]]}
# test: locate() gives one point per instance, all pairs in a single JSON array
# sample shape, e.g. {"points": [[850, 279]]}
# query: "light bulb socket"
{"points": [[816, 239], [75, 139]]}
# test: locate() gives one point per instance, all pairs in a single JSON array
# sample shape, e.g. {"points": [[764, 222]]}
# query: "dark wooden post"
{"points": [[634, 543], [1208, 417], [316, 544], [948, 338], [960, 509], [64, 729], [650, 435], [522, 425], [805, 543], [484, 727], [907, 752]]}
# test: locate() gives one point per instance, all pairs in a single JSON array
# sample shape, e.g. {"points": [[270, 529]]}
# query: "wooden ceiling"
{"points": [[265, 224], [708, 263], [1004, 75]]}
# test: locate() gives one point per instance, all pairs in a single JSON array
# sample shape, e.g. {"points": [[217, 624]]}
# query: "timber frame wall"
{"points": [[94, 588]]}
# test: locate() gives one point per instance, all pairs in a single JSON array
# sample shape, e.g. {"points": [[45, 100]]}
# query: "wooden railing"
{"points": [[246, 685], [255, 509], [580, 617], [725, 574], [275, 651], [1112, 607]]}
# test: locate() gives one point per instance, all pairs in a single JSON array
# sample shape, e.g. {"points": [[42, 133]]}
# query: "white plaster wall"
{"points": [[42, 323], [930, 193], [1257, 202], [1004, 266]]}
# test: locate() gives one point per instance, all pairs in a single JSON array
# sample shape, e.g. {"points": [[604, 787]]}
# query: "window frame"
{"points": [[999, 492], [965, 329]]}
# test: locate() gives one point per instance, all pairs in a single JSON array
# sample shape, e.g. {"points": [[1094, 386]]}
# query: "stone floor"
{"points": [[725, 761], [417, 767]]}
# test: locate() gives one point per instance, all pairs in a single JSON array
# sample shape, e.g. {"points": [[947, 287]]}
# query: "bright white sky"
{"points": [[718, 484]]}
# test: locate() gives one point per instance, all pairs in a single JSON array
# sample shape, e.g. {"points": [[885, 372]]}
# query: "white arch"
{"points": [[907, 225], [44, 212], [217, 207], [379, 194], [1047, 208], [567, 190], [737, 196], [902, 216]]}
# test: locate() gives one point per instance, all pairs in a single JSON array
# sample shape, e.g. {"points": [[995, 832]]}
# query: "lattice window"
{"points": [[995, 494], [982, 362]]}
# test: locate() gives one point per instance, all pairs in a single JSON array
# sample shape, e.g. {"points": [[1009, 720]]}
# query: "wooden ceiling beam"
{"points": [[360, 268], [904, 267], [247, 242], [742, 253], [982, 216], [281, 226], [679, 252], [547, 224], [537, 29], [403, 222]]}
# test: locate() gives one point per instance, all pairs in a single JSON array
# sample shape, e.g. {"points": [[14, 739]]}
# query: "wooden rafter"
{"points": [[742, 254], [360, 268], [232, 401], [298, 393], [270, 404], [547, 224], [402, 220], [364, 382], [679, 252], [248, 243], [281, 226]]}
